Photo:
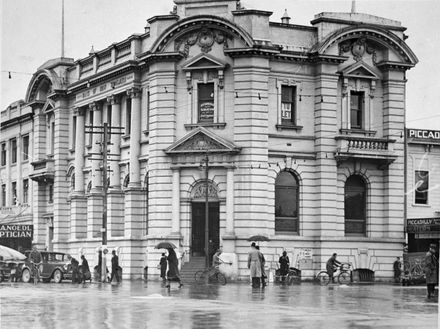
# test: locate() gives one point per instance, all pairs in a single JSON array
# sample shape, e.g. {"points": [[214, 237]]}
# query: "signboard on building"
{"points": [[16, 236], [423, 225], [424, 134]]}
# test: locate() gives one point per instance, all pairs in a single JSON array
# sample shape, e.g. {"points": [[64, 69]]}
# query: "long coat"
{"points": [[173, 266], [254, 263], [430, 268]]}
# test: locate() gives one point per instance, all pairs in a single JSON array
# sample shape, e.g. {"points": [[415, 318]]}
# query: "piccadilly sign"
{"points": [[421, 225], [424, 134], [11, 231]]}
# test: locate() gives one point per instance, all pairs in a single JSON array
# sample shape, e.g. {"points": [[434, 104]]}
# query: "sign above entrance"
{"points": [[423, 225], [424, 134]]}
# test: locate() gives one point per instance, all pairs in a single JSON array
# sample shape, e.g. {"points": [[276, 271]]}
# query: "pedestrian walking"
{"points": [[332, 265], [35, 259], [85, 270], [163, 267], [173, 268], [263, 263], [254, 265], [430, 269], [397, 265], [75, 270], [216, 261], [115, 267]]}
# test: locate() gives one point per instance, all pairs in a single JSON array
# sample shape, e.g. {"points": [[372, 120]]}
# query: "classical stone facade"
{"points": [[299, 129]]}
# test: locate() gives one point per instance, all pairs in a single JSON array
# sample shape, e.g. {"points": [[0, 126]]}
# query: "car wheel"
{"points": [[26, 275], [57, 276]]}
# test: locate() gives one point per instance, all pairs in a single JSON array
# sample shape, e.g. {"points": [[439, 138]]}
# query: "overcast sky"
{"points": [[31, 34]]}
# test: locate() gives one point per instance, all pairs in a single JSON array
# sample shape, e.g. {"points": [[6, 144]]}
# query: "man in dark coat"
{"points": [[85, 271], [115, 267], [173, 268], [35, 259], [75, 270], [284, 264], [397, 270], [430, 270], [332, 265], [163, 267]]}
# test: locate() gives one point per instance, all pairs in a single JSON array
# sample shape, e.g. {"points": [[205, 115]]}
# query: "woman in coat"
{"points": [[163, 267], [173, 268], [430, 270], [254, 264]]}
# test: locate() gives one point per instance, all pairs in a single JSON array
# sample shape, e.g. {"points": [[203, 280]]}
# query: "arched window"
{"points": [[355, 205], [286, 202]]}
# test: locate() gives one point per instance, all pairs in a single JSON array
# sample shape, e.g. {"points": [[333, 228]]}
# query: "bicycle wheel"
{"points": [[220, 278], [201, 276], [344, 278], [323, 278]]}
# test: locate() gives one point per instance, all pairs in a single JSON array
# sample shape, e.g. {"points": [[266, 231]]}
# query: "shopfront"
{"points": [[15, 236]]}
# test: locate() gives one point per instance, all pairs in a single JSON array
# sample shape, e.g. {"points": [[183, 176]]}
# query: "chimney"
{"points": [[286, 18]]}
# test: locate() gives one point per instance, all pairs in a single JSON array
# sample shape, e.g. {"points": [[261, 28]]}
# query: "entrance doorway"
{"points": [[198, 228]]}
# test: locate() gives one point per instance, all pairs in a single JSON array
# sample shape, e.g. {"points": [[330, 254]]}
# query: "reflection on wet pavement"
{"points": [[149, 305]]}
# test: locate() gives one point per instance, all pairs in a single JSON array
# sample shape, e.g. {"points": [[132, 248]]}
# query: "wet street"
{"points": [[138, 304]]}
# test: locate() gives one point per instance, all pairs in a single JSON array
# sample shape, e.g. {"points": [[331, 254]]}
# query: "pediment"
{"points": [[203, 62], [202, 141], [360, 70]]}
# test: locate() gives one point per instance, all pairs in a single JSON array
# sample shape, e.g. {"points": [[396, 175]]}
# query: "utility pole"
{"points": [[106, 131]]}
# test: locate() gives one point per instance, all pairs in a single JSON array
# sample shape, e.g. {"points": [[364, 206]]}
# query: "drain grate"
{"points": [[364, 275]]}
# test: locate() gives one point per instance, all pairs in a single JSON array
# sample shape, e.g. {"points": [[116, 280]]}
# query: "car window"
{"points": [[45, 257], [58, 257]]}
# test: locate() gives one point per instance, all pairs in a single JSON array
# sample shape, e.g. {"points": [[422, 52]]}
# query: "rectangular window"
{"points": [[13, 150], [4, 195], [14, 193], [74, 132], [52, 138], [128, 118], [90, 129], [421, 183], [50, 194], [206, 102], [109, 115], [3, 156], [356, 109], [25, 148], [25, 191], [288, 96]]}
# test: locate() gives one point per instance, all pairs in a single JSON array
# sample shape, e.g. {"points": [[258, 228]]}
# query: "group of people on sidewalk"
{"points": [[256, 263], [172, 263]]}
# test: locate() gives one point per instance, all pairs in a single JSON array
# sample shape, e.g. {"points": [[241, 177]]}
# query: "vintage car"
{"points": [[54, 265]]}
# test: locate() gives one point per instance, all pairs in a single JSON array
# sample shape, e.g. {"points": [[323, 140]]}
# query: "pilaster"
{"points": [[96, 147], [115, 213], [135, 137]]}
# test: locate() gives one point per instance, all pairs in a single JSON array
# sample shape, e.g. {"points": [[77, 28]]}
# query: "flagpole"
{"points": [[62, 28]]}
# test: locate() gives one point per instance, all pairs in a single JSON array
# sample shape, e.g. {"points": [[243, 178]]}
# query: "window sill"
{"points": [[288, 127], [146, 132], [290, 233], [423, 205], [358, 131], [126, 137], [218, 125]]}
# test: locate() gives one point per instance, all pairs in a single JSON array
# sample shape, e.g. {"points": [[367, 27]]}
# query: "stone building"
{"points": [[298, 128]]}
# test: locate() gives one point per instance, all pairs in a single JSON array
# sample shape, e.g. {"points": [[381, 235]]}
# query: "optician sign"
{"points": [[423, 134], [16, 231], [423, 225]]}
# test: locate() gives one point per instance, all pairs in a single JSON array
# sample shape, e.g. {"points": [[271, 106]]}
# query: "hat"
{"points": [[433, 246]]}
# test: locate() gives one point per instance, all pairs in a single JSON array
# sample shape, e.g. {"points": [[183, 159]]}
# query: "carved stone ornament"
{"points": [[204, 38], [358, 49], [199, 191]]}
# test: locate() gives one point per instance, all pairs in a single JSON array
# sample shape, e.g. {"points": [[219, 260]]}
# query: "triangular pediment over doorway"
{"points": [[201, 141], [360, 70]]}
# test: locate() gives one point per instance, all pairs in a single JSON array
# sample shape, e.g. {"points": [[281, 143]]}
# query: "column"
{"points": [[135, 136], [94, 201], [230, 200], [78, 204], [175, 217], [115, 204], [96, 147], [19, 170]]}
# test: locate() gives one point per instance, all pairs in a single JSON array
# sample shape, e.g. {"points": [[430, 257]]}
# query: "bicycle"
{"points": [[211, 275], [344, 275]]}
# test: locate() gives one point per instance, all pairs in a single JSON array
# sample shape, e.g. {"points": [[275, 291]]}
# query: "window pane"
{"points": [[356, 108], [3, 163], [286, 202], [421, 182], [206, 102], [355, 205], [25, 147], [14, 150], [288, 104]]}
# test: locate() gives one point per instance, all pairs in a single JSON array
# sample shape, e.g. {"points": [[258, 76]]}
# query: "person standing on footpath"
{"points": [[115, 267], [263, 263], [35, 259], [397, 270], [163, 267], [173, 268], [430, 270], [254, 265], [284, 265], [85, 270]]}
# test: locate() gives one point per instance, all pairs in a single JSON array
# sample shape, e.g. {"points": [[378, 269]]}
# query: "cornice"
{"points": [[162, 18], [323, 58], [243, 12], [342, 21], [390, 65], [148, 57], [16, 120], [294, 26], [267, 52]]}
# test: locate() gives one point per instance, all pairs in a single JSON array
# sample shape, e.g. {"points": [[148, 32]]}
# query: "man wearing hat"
{"points": [[431, 270]]}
